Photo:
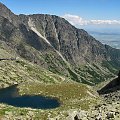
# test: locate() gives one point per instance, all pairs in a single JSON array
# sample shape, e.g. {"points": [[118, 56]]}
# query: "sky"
{"points": [[88, 14]]}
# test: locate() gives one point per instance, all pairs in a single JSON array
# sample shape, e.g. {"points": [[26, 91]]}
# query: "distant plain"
{"points": [[112, 39]]}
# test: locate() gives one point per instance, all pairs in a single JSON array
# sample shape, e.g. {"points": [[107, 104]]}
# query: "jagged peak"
{"points": [[1, 4], [8, 14], [5, 11], [3, 7]]}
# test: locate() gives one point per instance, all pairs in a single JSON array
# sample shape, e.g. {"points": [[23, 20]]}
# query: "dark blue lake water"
{"points": [[11, 96]]}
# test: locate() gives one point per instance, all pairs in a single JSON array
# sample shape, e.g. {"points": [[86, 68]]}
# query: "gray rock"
{"points": [[98, 117], [110, 115], [77, 117]]}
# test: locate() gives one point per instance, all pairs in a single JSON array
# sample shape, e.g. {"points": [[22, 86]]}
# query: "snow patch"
{"points": [[91, 94], [33, 28]]}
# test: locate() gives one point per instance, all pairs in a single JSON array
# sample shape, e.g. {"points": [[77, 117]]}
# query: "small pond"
{"points": [[11, 96]]}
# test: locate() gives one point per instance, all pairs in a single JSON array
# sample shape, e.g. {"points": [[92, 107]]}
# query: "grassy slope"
{"points": [[36, 80], [12, 72], [39, 81], [94, 73], [71, 96]]}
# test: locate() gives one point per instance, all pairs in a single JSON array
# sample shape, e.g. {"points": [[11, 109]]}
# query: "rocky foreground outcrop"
{"points": [[107, 109], [112, 86], [103, 111]]}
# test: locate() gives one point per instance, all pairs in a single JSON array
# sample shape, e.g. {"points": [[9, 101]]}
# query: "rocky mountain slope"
{"points": [[53, 43], [19, 70], [46, 55]]}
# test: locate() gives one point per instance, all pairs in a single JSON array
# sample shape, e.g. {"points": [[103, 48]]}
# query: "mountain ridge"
{"points": [[53, 43], [52, 58]]}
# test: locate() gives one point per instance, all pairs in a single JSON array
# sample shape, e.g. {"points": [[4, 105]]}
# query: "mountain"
{"points": [[54, 44], [47, 56]]}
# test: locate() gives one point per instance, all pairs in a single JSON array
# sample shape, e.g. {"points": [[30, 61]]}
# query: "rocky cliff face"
{"points": [[53, 43]]}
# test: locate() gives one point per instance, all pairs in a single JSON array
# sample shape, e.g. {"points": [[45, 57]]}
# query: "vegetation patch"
{"points": [[70, 94]]}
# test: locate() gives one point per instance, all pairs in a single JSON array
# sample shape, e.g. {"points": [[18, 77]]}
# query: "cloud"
{"points": [[77, 20], [108, 22]]}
